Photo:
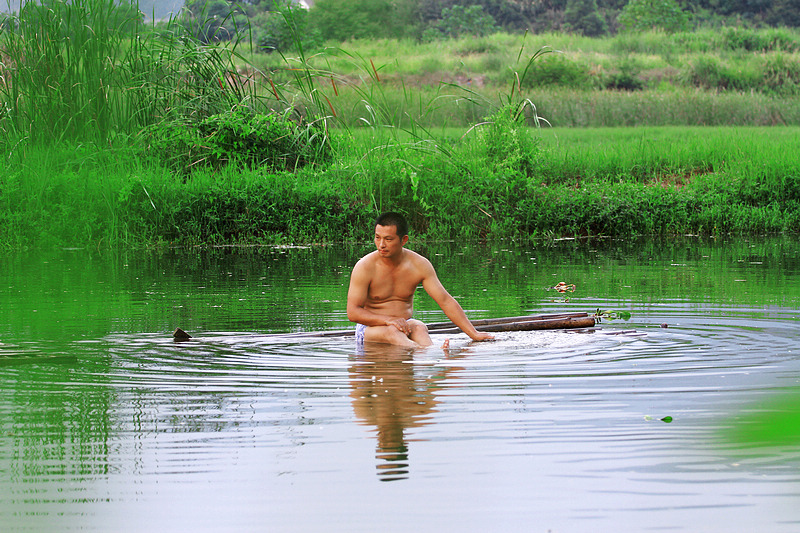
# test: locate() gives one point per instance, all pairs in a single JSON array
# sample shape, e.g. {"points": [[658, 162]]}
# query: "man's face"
{"points": [[388, 243]]}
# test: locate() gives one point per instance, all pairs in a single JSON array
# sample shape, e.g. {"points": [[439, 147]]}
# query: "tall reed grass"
{"points": [[86, 69]]}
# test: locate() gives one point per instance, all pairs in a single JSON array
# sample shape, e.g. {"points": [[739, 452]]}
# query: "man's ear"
{"points": [[405, 239]]}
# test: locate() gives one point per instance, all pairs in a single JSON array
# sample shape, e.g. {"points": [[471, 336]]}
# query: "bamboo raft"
{"points": [[492, 325]]}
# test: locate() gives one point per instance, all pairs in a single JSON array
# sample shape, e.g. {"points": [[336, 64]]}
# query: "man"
{"points": [[382, 285]]}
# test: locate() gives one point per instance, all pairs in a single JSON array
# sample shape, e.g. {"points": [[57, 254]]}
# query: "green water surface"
{"points": [[106, 424]]}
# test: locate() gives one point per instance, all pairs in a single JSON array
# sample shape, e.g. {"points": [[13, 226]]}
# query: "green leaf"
{"points": [[666, 419]]}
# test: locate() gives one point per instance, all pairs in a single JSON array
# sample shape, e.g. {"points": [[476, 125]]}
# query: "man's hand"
{"points": [[483, 336], [400, 323]]}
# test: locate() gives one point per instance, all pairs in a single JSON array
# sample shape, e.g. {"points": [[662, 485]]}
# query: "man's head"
{"points": [[394, 219], [391, 234]]}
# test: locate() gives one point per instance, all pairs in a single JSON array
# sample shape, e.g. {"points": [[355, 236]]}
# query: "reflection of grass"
{"points": [[623, 275], [774, 422]]}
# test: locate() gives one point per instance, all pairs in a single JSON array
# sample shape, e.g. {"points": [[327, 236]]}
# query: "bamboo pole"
{"points": [[528, 325], [506, 320], [511, 323]]}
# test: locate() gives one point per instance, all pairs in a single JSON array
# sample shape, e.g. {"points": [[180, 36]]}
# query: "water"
{"points": [[106, 424]]}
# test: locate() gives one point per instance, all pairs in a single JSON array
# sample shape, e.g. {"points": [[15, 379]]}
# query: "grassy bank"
{"points": [[613, 182], [180, 142]]}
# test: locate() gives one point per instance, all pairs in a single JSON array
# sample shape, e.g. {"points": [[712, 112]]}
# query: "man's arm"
{"points": [[449, 305]]}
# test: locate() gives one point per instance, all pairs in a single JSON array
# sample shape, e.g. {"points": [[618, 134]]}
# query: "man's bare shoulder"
{"points": [[411, 255], [411, 261], [367, 262], [419, 262]]}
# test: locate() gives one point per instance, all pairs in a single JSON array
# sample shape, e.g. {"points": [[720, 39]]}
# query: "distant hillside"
{"points": [[160, 8]]}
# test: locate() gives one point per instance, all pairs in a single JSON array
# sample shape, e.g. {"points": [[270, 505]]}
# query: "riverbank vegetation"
{"points": [[134, 134], [583, 182]]}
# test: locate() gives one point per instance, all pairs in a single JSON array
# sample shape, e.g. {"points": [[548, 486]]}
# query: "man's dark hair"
{"points": [[394, 219]]}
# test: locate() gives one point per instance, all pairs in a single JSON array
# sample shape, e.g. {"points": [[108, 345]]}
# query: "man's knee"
{"points": [[417, 326], [419, 333]]}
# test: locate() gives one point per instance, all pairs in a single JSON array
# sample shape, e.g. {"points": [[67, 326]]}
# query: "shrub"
{"points": [[783, 13], [508, 142], [460, 20], [557, 70], [211, 21], [241, 137], [626, 78], [583, 16], [481, 45], [709, 72], [758, 41], [640, 15], [285, 29], [341, 20], [782, 74]]}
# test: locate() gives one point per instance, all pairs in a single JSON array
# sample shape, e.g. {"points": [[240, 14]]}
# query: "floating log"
{"points": [[510, 320], [527, 325], [512, 323]]}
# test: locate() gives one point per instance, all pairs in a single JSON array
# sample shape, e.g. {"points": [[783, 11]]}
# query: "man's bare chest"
{"points": [[396, 284]]}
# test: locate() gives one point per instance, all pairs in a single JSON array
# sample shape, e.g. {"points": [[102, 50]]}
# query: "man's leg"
{"points": [[418, 337], [419, 333], [388, 335]]}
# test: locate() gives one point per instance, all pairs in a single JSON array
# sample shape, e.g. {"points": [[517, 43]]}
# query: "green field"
{"points": [[728, 76]]}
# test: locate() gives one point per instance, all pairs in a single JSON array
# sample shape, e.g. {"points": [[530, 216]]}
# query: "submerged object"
{"points": [[180, 335], [511, 323]]}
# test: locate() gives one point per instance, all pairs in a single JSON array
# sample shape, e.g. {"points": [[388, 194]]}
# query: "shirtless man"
{"points": [[382, 285]]}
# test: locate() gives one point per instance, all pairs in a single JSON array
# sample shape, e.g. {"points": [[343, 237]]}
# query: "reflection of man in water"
{"points": [[382, 285], [392, 395]]}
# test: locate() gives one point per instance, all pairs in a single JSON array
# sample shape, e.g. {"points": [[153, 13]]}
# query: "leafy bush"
{"points": [[341, 20], [241, 137], [557, 70], [213, 20], [709, 72], [460, 20], [508, 142], [759, 41], [784, 13], [583, 16], [626, 78], [782, 74], [482, 45], [284, 29], [641, 15]]}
